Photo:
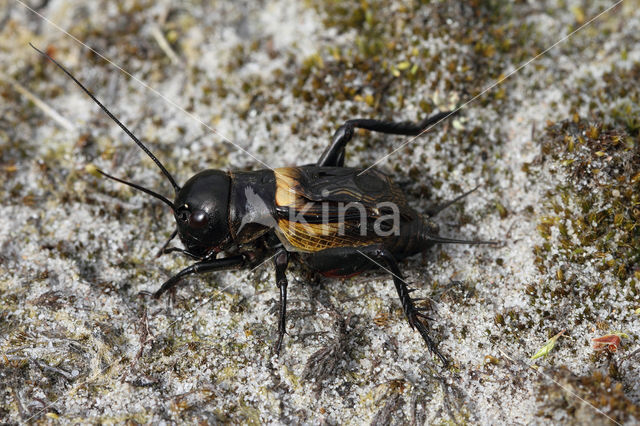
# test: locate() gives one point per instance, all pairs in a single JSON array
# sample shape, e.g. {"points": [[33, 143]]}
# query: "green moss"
{"points": [[598, 389], [592, 250], [384, 65], [599, 210]]}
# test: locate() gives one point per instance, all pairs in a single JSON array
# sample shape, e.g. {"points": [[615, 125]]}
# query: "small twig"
{"points": [[38, 102], [630, 355], [145, 337], [45, 366], [164, 45], [16, 397]]}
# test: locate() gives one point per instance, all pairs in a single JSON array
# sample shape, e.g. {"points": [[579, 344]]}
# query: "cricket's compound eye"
{"points": [[198, 219]]}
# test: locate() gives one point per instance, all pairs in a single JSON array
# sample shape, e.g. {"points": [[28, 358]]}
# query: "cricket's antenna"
{"points": [[176, 187], [138, 187]]}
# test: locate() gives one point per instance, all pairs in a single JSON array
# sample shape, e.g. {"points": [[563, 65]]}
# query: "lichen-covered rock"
{"points": [[246, 85]]}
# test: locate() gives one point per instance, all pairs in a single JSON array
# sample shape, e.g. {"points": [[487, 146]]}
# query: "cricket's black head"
{"points": [[201, 209]]}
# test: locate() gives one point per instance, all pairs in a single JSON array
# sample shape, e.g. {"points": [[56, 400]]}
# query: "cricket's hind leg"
{"points": [[334, 154], [416, 317], [346, 261]]}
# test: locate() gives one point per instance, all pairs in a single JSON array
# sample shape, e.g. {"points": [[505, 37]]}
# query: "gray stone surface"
{"points": [[277, 77]]}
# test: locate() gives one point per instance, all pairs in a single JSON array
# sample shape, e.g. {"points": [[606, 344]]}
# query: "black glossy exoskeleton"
{"points": [[339, 221]]}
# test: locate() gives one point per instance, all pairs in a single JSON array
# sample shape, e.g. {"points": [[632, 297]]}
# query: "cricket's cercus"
{"points": [[337, 220]]}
